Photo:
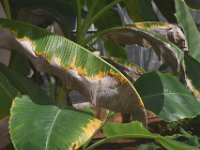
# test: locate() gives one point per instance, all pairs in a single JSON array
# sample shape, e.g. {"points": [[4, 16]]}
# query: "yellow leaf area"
{"points": [[140, 70], [89, 130], [73, 66], [82, 71], [149, 25]]}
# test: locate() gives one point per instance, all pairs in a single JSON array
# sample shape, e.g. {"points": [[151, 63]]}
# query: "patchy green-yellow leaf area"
{"points": [[89, 130], [78, 68], [60, 61], [149, 25], [54, 128]]}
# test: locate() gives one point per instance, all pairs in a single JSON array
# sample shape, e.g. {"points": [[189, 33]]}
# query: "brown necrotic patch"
{"points": [[108, 89]]}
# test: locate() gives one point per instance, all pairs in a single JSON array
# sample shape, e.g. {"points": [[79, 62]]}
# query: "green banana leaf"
{"points": [[13, 84], [79, 69], [108, 19], [136, 9], [40, 99], [115, 50], [15, 63], [149, 146], [25, 86], [7, 94], [47, 127], [185, 20], [136, 130], [167, 8], [192, 72], [167, 97]]}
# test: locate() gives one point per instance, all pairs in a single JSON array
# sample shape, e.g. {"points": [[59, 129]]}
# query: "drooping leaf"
{"points": [[185, 20], [7, 94], [115, 50], [16, 62], [136, 9], [128, 64], [25, 86], [167, 97], [153, 35], [128, 69], [13, 84], [33, 126], [192, 67], [79, 69], [136, 130]]}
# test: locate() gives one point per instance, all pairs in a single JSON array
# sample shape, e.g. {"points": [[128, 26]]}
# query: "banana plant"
{"points": [[39, 120]]}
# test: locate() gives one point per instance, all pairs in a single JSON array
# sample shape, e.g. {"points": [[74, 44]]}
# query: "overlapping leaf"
{"points": [[7, 94], [192, 74], [115, 50], [192, 65], [33, 126], [153, 35], [108, 19], [136, 130], [136, 9], [167, 97], [79, 69], [128, 69], [15, 63], [25, 86], [185, 20], [12, 83]]}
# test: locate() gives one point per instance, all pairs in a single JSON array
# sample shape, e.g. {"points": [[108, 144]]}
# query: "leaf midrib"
{"points": [[51, 128]]}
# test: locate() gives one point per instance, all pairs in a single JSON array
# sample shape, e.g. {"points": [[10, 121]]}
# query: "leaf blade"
{"points": [[78, 68], [167, 97], [7, 94], [54, 128], [185, 20], [136, 130]]}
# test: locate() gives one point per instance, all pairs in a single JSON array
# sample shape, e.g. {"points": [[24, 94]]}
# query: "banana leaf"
{"points": [[153, 35], [135, 9], [136, 130], [48, 127], [99, 82], [167, 97], [185, 20]]}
